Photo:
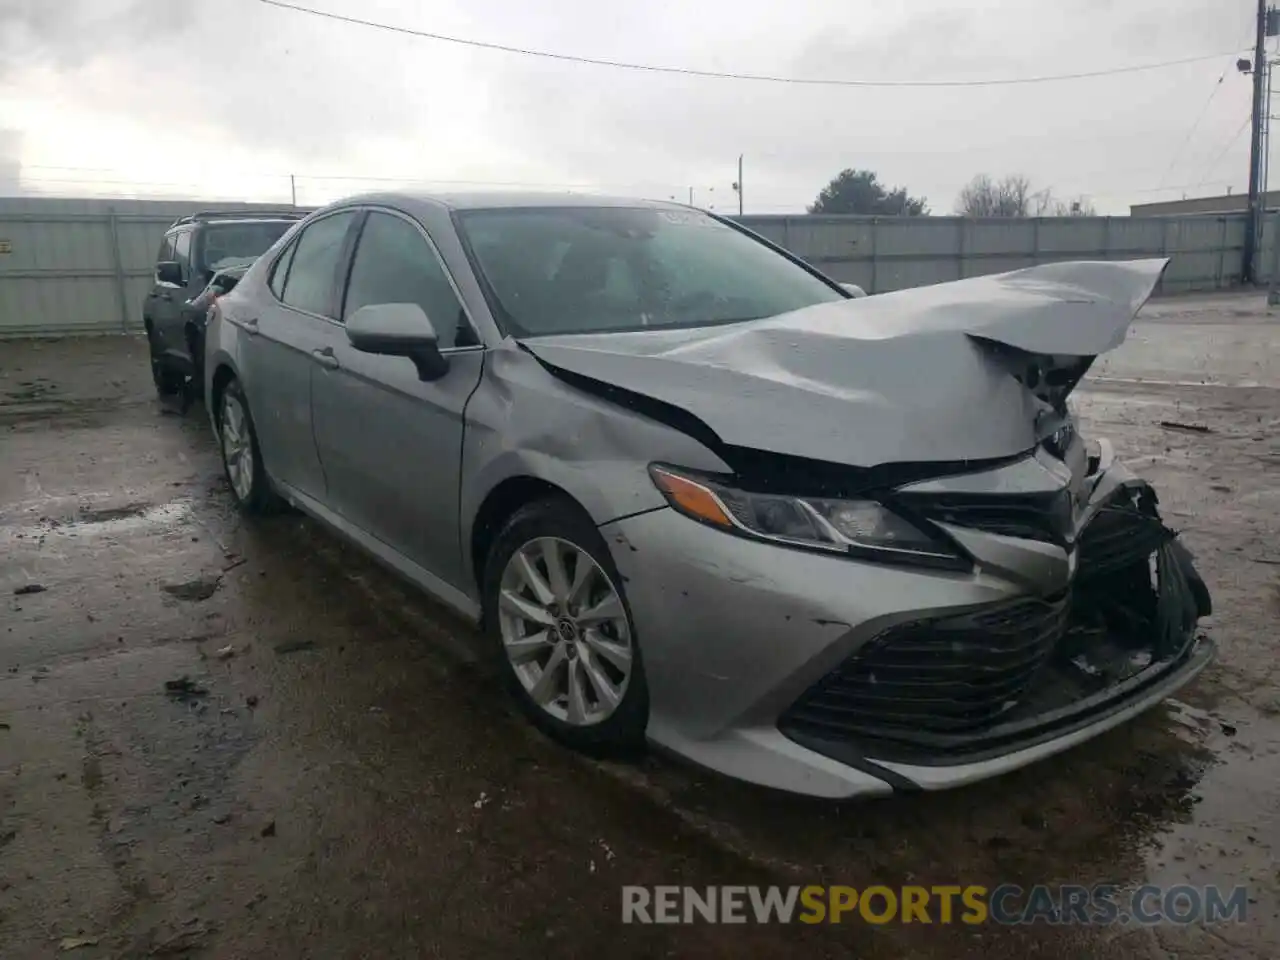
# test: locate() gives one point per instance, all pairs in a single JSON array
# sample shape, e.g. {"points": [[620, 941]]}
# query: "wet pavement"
{"points": [[223, 739]]}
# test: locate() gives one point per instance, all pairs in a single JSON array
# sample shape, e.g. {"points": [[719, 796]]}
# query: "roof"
{"points": [[480, 200], [240, 216]]}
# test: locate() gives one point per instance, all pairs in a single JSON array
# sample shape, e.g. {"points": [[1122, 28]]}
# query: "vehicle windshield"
{"points": [[238, 244], [604, 269]]}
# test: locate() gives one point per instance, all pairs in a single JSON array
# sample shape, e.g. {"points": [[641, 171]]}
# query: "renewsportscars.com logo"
{"points": [[1007, 904]]}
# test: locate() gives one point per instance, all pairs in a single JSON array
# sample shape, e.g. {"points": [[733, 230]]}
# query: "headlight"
{"points": [[859, 527]]}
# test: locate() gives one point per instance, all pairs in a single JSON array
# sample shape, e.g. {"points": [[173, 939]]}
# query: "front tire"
{"points": [[560, 628], [241, 455], [167, 380]]}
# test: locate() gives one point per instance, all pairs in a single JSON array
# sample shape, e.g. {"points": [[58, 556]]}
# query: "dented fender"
{"points": [[528, 423]]}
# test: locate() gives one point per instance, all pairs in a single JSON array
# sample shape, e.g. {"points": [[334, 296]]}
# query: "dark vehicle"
{"points": [[201, 257]]}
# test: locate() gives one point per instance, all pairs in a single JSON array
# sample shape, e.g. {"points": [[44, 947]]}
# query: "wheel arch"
{"points": [[499, 505], [223, 374]]}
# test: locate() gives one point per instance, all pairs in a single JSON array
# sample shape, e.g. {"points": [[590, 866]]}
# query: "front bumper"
{"points": [[738, 635]]}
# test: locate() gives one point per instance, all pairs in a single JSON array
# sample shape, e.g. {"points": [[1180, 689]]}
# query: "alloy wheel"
{"points": [[237, 447], [565, 631]]}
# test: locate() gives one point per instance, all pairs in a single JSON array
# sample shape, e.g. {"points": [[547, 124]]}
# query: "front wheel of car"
{"points": [[560, 626], [167, 380], [241, 454]]}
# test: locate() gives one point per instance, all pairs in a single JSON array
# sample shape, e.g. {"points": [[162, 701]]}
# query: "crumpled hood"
{"points": [[918, 375]]}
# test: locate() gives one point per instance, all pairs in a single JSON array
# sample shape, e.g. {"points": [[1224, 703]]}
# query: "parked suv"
{"points": [[200, 258]]}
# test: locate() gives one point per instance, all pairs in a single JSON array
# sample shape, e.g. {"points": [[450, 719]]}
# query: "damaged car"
{"points": [[697, 494]]}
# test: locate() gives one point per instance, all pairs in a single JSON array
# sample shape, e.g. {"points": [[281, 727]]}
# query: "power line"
{"points": [[759, 77], [1218, 159], [1177, 154]]}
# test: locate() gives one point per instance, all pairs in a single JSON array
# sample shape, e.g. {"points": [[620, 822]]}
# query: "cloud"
{"points": [[242, 84]]}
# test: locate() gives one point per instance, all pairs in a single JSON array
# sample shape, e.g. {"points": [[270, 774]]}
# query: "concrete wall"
{"points": [[71, 266]]}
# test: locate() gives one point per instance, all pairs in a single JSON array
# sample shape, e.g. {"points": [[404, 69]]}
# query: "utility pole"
{"points": [[738, 186], [691, 196], [293, 190], [1261, 71]]}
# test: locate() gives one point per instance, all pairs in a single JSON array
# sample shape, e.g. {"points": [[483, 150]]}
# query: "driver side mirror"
{"points": [[398, 330], [169, 271]]}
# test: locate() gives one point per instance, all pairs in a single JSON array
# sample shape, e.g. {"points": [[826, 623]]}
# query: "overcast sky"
{"points": [[226, 98]]}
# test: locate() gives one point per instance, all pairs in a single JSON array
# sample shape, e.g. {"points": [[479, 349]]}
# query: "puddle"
{"points": [[1231, 834], [108, 521]]}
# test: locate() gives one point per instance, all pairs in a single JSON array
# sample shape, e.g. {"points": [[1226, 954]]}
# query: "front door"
{"points": [[286, 337], [391, 444], [164, 302]]}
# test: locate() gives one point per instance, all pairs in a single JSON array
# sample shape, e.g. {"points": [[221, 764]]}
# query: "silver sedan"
{"points": [[698, 494]]}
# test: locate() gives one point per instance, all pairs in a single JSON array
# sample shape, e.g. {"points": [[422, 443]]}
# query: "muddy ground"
{"points": [[351, 784]]}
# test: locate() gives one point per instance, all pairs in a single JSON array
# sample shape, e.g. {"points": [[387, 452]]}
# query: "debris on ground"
{"points": [[74, 943], [1272, 561], [1189, 427], [193, 591], [184, 687], [28, 589], [269, 830], [4, 725], [221, 817], [251, 701], [295, 646], [233, 562], [484, 799], [226, 653]]}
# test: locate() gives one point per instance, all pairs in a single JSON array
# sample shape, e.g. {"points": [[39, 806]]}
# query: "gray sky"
{"points": [[209, 98]]}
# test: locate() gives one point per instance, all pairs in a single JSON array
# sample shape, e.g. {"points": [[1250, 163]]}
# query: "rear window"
{"points": [[237, 244]]}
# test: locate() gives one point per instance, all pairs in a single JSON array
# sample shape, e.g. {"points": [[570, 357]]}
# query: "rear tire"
{"points": [[241, 455], [563, 639]]}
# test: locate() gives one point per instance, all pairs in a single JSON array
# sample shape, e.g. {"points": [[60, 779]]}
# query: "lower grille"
{"points": [[946, 675]]}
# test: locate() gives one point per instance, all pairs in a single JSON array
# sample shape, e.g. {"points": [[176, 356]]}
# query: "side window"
{"points": [[182, 252], [280, 271], [394, 264], [166, 249], [309, 285]]}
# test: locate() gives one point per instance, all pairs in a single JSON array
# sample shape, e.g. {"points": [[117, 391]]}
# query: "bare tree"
{"points": [[1075, 207], [984, 197], [1013, 197]]}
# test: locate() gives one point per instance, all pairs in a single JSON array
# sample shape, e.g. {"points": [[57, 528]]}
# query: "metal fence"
{"points": [[81, 266], [77, 266], [890, 253]]}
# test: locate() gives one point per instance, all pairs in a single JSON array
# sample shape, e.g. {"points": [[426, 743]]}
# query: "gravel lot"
{"points": [[352, 784]]}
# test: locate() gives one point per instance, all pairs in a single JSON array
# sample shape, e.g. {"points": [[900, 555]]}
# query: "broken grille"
{"points": [[948, 675]]}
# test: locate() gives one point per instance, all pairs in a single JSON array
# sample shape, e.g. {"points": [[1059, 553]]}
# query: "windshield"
{"points": [[238, 244], [596, 269]]}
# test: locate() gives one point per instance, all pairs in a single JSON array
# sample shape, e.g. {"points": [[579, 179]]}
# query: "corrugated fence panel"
{"points": [[913, 252], [67, 264]]}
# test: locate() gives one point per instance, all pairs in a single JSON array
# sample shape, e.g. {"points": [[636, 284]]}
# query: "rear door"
{"points": [[390, 443], [292, 326]]}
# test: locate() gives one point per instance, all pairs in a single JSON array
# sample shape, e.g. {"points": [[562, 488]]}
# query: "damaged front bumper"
{"points": [[835, 678]]}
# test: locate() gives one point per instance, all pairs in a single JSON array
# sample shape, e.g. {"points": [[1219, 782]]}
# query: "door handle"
{"points": [[326, 358], [251, 326]]}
